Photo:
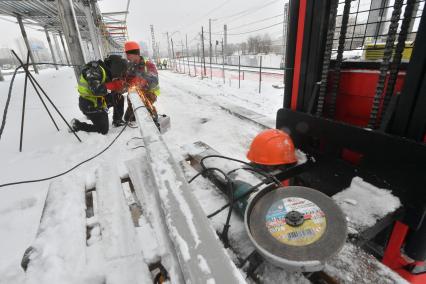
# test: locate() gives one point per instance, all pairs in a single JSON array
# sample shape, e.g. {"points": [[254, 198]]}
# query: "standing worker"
{"points": [[141, 72], [94, 97]]}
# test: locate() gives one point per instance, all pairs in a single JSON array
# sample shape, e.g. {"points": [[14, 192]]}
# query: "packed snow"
{"points": [[364, 204], [194, 105]]}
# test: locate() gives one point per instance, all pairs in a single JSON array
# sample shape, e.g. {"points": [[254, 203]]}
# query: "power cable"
{"points": [[73, 168], [255, 22], [76, 166], [261, 29]]}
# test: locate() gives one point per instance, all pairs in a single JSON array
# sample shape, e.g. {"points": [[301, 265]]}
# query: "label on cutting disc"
{"points": [[308, 232]]}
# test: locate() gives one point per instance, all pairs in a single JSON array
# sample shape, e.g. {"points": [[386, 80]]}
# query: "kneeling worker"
{"points": [[93, 92]]}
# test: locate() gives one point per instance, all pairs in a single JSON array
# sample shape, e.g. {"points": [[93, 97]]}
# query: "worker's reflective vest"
{"points": [[155, 90], [87, 93]]}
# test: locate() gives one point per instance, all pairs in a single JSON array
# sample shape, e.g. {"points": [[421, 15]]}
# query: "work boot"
{"points": [[75, 125], [118, 123]]}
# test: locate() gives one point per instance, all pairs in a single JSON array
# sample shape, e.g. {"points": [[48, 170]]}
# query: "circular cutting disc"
{"points": [[296, 227]]}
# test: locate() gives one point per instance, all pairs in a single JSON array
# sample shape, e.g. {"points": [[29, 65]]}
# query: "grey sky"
{"points": [[180, 17], [187, 17]]}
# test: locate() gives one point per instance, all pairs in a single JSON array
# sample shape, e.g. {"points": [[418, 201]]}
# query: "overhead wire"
{"points": [[261, 29]]}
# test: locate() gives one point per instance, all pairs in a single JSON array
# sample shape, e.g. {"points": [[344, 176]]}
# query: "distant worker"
{"points": [[165, 63], [141, 72], [94, 98]]}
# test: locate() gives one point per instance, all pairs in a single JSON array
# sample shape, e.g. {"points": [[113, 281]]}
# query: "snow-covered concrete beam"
{"points": [[201, 255]]}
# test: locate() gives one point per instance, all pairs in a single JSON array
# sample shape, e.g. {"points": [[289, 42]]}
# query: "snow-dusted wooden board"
{"points": [[121, 249]]}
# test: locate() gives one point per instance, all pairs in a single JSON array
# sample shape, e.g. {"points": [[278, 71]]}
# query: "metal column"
{"points": [[72, 34], [58, 48], [27, 43], [63, 46], [51, 48], [92, 30]]}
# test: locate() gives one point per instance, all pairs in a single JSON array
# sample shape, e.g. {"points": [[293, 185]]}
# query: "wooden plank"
{"points": [[58, 252], [121, 249]]}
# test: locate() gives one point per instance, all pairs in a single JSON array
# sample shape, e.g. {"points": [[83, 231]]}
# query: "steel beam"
{"points": [[58, 48], [72, 34], [51, 48], [193, 237], [92, 30], [27, 43], [63, 46]]}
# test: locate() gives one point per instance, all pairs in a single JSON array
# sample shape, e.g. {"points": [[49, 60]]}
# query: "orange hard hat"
{"points": [[131, 45], [272, 147]]}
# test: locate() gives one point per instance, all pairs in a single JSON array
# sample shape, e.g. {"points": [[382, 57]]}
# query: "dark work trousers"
{"points": [[98, 116], [116, 101], [129, 115]]}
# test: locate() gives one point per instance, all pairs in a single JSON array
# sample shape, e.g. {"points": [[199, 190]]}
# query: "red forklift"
{"points": [[355, 100]]}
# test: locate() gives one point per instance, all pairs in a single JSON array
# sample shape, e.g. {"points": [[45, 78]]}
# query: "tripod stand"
{"points": [[37, 88]]}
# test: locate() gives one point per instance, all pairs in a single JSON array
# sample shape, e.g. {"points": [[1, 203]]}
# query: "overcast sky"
{"points": [[180, 17]]}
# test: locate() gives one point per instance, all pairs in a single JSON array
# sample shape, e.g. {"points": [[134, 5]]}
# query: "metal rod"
{"points": [[51, 50], [239, 71], [58, 48], [260, 73], [195, 68], [27, 43], [27, 72], [63, 46], [34, 81], [23, 106]]}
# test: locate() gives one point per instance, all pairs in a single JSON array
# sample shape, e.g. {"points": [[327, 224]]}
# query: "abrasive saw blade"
{"points": [[296, 228]]}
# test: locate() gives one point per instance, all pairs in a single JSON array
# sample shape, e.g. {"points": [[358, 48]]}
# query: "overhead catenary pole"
{"points": [[260, 74], [173, 54], [223, 63], [210, 47], [187, 54], [51, 51], [27, 43], [225, 35], [63, 47], [204, 58], [72, 34], [183, 57], [168, 45]]}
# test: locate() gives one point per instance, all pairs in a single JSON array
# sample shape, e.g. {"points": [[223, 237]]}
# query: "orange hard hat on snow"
{"points": [[131, 45], [272, 147]]}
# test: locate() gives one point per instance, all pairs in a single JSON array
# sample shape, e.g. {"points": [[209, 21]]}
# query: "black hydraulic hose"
{"points": [[242, 162]]}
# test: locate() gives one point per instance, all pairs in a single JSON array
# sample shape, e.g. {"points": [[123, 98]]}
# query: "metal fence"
{"points": [[368, 27]]}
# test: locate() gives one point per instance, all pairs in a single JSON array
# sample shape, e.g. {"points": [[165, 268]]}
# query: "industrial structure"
{"points": [[88, 33]]}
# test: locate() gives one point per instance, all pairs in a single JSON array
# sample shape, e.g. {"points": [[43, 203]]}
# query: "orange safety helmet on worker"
{"points": [[272, 147]]}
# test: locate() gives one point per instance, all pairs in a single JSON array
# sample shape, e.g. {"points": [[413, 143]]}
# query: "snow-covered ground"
{"points": [[47, 152], [194, 106]]}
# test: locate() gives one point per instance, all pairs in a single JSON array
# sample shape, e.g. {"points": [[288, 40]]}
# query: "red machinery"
{"points": [[363, 118]]}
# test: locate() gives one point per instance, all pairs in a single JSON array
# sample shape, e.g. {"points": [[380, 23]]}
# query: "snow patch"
{"points": [[364, 203]]}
